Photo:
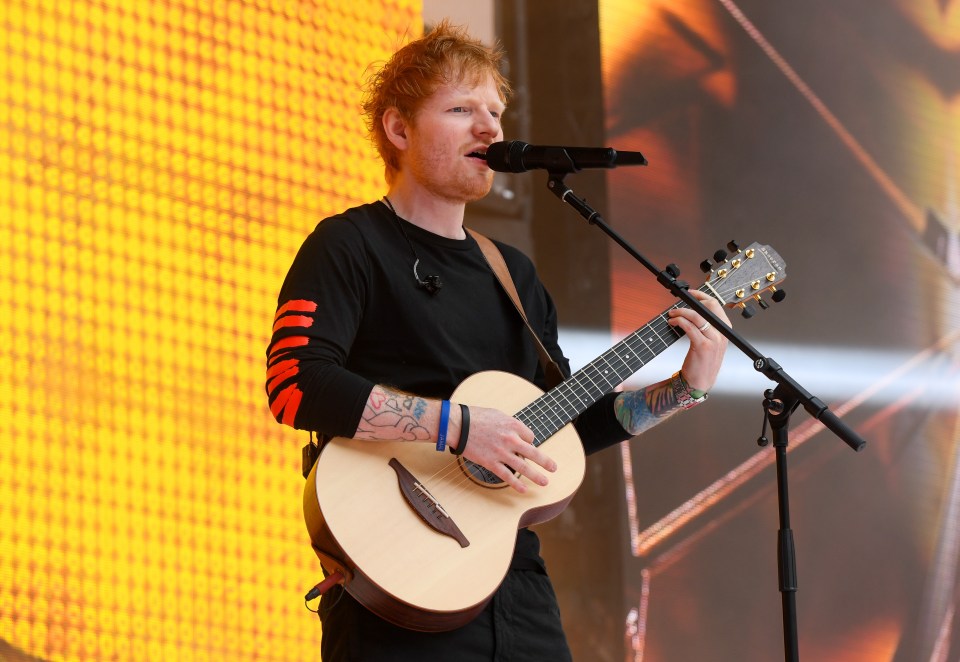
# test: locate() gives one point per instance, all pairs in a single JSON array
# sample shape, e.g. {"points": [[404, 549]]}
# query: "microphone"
{"points": [[431, 284], [518, 156]]}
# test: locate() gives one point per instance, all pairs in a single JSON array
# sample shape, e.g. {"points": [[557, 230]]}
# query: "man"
{"points": [[390, 305]]}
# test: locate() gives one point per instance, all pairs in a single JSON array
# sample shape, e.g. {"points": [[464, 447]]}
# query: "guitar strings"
{"points": [[578, 378], [543, 433], [659, 326]]}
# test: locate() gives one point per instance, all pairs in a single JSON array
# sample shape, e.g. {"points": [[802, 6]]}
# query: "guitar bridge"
{"points": [[426, 505]]}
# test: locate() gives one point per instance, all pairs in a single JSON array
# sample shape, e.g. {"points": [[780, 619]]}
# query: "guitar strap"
{"points": [[499, 267]]}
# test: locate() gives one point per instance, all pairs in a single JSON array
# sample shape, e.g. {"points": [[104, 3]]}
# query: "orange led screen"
{"points": [[160, 163], [829, 131]]}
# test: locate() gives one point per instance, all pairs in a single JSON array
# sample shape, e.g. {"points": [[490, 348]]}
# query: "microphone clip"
{"points": [[431, 284]]}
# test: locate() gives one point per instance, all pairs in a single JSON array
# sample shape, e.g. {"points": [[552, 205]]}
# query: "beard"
{"points": [[456, 180]]}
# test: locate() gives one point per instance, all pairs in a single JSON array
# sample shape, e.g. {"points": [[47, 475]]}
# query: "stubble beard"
{"points": [[471, 189], [457, 183]]}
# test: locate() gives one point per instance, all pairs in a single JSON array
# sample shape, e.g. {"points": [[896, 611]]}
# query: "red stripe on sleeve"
{"points": [[286, 343], [276, 381], [293, 320], [290, 411], [281, 366], [281, 400], [296, 304]]}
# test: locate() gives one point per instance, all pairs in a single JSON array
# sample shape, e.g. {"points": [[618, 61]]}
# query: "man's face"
{"points": [[455, 121]]}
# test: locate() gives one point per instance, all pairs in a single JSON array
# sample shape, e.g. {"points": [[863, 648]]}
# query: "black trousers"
{"points": [[520, 624]]}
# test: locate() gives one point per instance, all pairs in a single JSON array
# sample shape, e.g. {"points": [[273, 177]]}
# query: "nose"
{"points": [[487, 125]]}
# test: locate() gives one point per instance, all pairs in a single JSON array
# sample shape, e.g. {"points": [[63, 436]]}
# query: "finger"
{"points": [[504, 473], [525, 433], [712, 305], [527, 450], [526, 469], [691, 323], [536, 455]]}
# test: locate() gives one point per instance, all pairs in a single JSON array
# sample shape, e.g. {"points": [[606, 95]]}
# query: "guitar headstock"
{"points": [[739, 279]]}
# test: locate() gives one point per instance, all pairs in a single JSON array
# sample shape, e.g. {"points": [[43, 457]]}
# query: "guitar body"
{"points": [[394, 563]]}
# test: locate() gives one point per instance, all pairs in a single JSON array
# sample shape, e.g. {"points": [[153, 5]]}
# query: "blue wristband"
{"points": [[444, 420]]}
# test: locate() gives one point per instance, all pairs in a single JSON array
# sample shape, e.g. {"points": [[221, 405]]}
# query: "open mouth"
{"points": [[478, 155]]}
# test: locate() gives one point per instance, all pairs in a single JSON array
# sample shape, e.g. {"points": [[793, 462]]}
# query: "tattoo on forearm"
{"points": [[417, 405], [392, 416], [638, 411]]}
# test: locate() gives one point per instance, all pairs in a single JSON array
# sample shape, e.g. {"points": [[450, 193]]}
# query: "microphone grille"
{"points": [[507, 156]]}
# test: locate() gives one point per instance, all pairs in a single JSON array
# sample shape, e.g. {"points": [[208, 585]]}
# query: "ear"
{"points": [[395, 127]]}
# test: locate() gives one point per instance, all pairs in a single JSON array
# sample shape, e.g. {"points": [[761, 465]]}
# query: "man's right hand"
{"points": [[502, 444]]}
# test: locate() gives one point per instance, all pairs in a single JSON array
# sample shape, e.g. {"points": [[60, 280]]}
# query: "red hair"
{"points": [[446, 54]]}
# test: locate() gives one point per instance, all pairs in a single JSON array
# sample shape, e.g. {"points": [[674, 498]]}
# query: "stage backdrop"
{"points": [[160, 163], [831, 131]]}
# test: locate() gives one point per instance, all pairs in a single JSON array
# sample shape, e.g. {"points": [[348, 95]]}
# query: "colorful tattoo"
{"points": [[638, 411], [390, 415]]}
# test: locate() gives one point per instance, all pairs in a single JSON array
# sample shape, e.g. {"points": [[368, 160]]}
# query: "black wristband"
{"points": [[464, 431]]}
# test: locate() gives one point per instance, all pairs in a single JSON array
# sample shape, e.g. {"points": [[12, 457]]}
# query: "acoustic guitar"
{"points": [[423, 539]]}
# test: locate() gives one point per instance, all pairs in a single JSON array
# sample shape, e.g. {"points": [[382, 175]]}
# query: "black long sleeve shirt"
{"points": [[350, 316]]}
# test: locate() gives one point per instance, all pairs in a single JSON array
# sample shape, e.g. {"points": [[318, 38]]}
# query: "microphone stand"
{"points": [[778, 403]]}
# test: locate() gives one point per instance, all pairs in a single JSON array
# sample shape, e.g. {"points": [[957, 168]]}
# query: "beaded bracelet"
{"points": [[685, 396]]}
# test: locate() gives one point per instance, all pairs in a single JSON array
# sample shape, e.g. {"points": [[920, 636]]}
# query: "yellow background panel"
{"points": [[160, 163]]}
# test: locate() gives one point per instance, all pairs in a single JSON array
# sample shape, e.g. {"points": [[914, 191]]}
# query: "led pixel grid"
{"points": [[160, 163]]}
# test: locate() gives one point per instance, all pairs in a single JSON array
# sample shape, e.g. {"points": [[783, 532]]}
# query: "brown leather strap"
{"points": [[499, 267]]}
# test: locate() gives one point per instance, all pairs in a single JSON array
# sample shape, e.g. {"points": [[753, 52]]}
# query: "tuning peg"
{"points": [[673, 270], [706, 266], [733, 247], [748, 311], [720, 256], [763, 304], [779, 295]]}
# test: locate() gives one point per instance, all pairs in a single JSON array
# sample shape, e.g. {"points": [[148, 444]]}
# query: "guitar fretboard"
{"points": [[562, 404]]}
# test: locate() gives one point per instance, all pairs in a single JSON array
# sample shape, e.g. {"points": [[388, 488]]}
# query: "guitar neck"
{"points": [[562, 404]]}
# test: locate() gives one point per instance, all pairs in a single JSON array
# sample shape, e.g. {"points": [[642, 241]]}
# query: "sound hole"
{"points": [[480, 475]]}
